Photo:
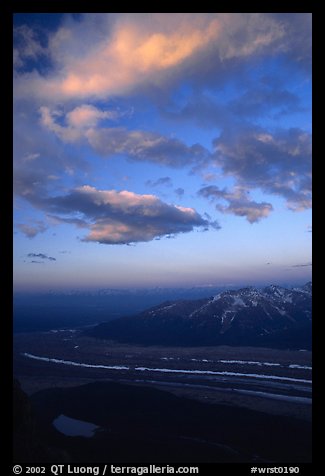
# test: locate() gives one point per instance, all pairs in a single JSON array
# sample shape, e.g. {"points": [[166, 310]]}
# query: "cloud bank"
{"points": [[124, 52]]}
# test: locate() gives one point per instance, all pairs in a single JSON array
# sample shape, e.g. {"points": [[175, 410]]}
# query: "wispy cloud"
{"points": [[41, 256], [166, 181], [28, 46], [179, 192], [238, 201], [301, 265], [32, 230], [76, 122], [138, 145]]}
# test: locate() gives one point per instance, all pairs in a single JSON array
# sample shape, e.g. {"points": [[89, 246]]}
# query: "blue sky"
{"points": [[161, 150]]}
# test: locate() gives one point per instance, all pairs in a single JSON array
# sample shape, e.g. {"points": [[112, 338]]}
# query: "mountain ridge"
{"points": [[274, 316]]}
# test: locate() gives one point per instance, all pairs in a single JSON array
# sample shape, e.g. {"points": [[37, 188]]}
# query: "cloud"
{"points": [[28, 46], [265, 99], [167, 181], [30, 157], [120, 53], [136, 144], [32, 230], [131, 50], [41, 162], [301, 265], [278, 163], [78, 121], [60, 85], [41, 256], [123, 217], [87, 115], [238, 203], [146, 146], [179, 191]]}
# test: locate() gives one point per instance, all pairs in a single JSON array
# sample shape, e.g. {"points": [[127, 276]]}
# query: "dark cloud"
{"points": [[284, 35], [78, 222], [200, 108], [179, 192], [297, 42], [161, 181], [238, 203], [123, 217], [146, 146], [278, 163], [263, 100], [41, 256]]}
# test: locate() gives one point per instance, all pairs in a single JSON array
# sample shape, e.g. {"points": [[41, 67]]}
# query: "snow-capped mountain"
{"points": [[273, 316]]}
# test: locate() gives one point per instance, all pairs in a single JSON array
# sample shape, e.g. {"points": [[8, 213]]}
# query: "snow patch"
{"points": [[238, 301], [250, 362], [296, 366], [167, 307], [216, 297], [224, 315]]}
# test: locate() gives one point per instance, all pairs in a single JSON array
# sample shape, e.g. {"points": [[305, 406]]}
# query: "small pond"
{"points": [[72, 427]]}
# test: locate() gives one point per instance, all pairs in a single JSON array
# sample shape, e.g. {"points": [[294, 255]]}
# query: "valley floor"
{"points": [[272, 381]]}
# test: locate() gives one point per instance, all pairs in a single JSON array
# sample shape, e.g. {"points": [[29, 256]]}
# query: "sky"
{"points": [[161, 150]]}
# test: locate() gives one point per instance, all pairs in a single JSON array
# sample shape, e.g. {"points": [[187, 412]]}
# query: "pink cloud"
{"points": [[88, 116], [132, 50], [120, 217]]}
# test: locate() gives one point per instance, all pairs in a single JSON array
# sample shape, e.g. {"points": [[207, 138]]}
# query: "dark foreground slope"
{"points": [[29, 446], [140, 424], [271, 317]]}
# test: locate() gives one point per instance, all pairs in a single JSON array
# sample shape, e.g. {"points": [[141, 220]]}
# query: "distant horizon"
{"points": [[93, 289]]}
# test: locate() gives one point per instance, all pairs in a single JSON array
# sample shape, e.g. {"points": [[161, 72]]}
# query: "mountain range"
{"points": [[272, 317]]}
